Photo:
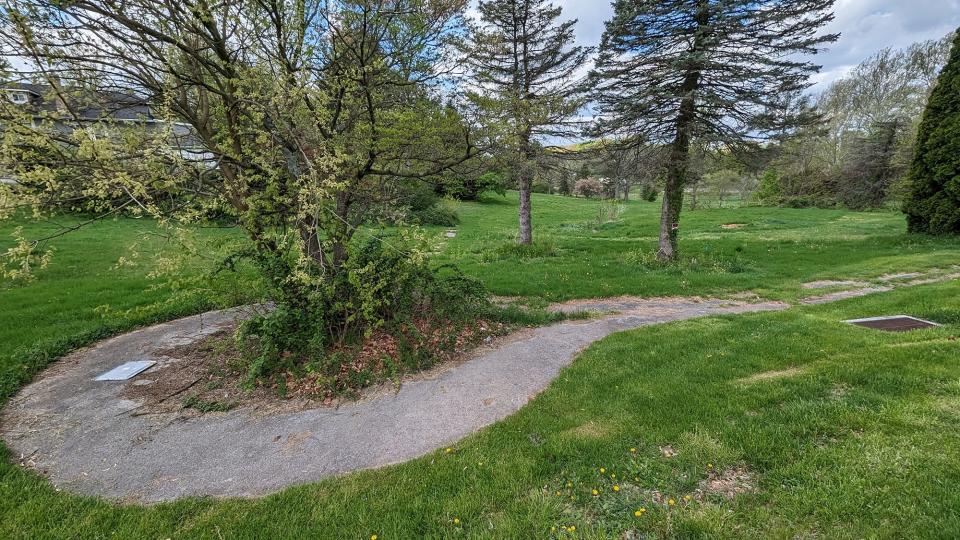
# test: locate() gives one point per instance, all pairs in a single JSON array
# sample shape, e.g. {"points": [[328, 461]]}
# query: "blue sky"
{"points": [[866, 26]]}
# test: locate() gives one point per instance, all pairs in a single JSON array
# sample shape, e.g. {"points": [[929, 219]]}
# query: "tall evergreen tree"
{"points": [[934, 203], [523, 64], [674, 71]]}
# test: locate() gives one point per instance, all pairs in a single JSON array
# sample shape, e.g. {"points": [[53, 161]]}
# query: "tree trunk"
{"points": [[626, 192], [526, 226], [526, 186], [679, 161], [677, 176]]}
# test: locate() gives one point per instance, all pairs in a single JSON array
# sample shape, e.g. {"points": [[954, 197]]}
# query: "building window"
{"points": [[19, 97]]}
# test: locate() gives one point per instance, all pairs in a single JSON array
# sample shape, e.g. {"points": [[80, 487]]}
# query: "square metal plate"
{"points": [[126, 371], [896, 323]]}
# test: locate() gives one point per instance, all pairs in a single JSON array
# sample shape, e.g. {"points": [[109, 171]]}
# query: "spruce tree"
{"points": [[523, 64], [933, 206], [675, 71]]}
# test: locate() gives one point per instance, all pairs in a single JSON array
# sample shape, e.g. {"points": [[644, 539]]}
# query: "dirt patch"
{"points": [[772, 375], [843, 295], [210, 375], [624, 304], [899, 277], [731, 226], [829, 284], [727, 484]]}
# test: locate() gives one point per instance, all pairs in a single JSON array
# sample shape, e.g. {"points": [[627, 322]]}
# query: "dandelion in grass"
{"points": [[616, 487], [640, 512], [602, 470], [373, 537], [595, 492], [633, 450], [671, 502], [448, 450], [456, 521], [569, 484], [687, 498]]}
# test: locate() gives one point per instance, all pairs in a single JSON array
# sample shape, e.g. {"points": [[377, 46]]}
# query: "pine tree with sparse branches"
{"points": [[716, 71], [522, 62]]}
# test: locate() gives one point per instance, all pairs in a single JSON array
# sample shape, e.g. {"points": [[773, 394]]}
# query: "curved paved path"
{"points": [[86, 438]]}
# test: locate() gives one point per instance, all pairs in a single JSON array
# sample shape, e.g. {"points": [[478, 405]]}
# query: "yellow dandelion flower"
{"points": [[569, 484], [671, 502], [558, 493], [373, 537], [572, 528], [633, 450], [595, 492], [448, 450], [602, 470], [709, 465], [613, 476], [480, 464], [687, 498], [637, 513], [616, 488], [456, 521]]}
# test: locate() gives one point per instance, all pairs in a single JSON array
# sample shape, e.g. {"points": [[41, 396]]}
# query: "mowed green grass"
{"points": [[861, 440], [772, 254], [851, 433]]}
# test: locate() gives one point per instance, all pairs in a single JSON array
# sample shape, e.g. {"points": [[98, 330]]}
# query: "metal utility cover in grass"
{"points": [[126, 371], [896, 323]]}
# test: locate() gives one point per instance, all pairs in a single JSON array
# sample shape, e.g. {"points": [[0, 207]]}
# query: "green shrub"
{"points": [[649, 192], [933, 205], [588, 187], [380, 284], [769, 192], [469, 185], [440, 214]]}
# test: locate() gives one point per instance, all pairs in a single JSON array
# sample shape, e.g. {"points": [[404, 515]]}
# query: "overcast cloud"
{"points": [[866, 26]]}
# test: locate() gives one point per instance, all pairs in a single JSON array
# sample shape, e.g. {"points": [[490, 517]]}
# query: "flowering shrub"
{"points": [[588, 187]]}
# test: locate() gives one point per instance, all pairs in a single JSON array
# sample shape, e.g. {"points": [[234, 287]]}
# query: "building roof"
{"points": [[92, 105]]}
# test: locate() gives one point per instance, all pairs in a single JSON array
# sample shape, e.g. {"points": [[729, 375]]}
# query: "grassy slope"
{"points": [[862, 443]]}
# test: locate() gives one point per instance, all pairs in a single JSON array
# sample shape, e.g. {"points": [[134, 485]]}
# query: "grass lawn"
{"points": [[772, 253], [848, 432]]}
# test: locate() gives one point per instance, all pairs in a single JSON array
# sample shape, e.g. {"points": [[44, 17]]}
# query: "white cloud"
{"points": [[866, 26]]}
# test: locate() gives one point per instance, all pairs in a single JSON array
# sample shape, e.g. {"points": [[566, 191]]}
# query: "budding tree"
{"points": [[301, 115]]}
